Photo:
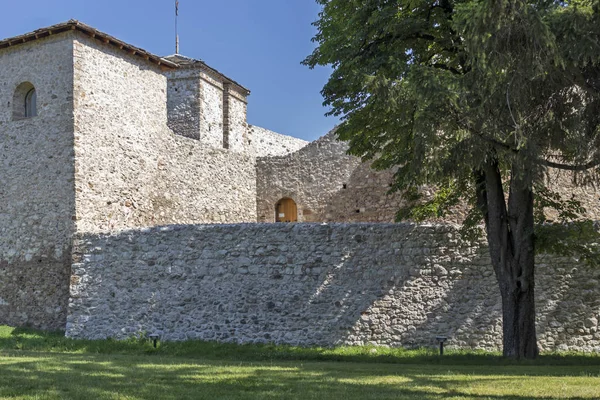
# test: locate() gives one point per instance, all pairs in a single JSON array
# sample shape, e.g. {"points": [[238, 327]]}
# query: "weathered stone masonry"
{"points": [[132, 171], [97, 157], [266, 143], [124, 140], [37, 196], [205, 105], [327, 184], [307, 284]]}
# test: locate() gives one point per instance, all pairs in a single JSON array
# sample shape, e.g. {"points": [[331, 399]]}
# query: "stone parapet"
{"points": [[266, 143]]}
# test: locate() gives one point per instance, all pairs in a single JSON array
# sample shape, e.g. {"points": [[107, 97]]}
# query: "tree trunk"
{"points": [[511, 241]]}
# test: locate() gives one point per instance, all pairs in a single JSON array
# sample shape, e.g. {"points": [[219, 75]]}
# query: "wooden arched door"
{"points": [[286, 211]]}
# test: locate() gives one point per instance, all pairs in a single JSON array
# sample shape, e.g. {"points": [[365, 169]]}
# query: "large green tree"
{"points": [[479, 98]]}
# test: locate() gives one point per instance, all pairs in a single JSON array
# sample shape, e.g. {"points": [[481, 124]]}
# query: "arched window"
{"points": [[24, 101], [31, 104]]}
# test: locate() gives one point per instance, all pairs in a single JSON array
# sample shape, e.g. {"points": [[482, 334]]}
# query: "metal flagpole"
{"points": [[176, 27]]}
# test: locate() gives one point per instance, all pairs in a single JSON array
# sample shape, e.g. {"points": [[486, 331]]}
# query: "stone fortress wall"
{"points": [[126, 159], [316, 284], [326, 184], [131, 170], [37, 195], [266, 143]]}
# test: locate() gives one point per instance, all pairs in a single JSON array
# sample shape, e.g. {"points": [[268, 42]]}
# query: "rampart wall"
{"points": [[37, 192], [327, 185], [310, 284], [266, 143], [99, 162]]}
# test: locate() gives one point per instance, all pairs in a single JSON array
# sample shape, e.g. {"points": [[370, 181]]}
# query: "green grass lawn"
{"points": [[37, 365]]}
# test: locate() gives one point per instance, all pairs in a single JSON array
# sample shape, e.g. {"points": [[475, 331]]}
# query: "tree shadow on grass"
{"points": [[142, 377], [24, 341]]}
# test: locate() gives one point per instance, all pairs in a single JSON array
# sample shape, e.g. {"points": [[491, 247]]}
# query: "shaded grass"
{"points": [[105, 376], [38, 365], [22, 339]]}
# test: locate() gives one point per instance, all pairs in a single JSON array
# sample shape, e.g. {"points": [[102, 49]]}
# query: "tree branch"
{"points": [[510, 108], [493, 141], [366, 47], [446, 68], [569, 167], [481, 195]]}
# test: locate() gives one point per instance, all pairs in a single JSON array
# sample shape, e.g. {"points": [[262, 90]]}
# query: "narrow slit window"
{"points": [[31, 104]]}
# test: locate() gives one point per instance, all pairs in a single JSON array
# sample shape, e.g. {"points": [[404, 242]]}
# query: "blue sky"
{"points": [[259, 43]]}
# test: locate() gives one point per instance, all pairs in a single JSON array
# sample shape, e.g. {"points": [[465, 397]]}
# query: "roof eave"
{"points": [[191, 63], [74, 25]]}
